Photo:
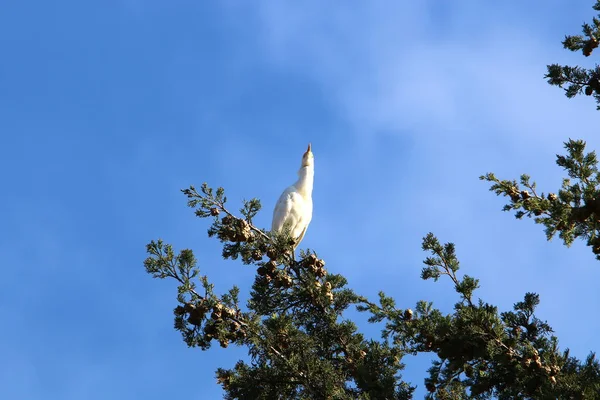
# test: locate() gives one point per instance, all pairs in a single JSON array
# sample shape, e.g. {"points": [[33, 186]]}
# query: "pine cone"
{"points": [[243, 233], [271, 253], [310, 260], [210, 329], [179, 310], [240, 334], [189, 307], [547, 369], [228, 312], [234, 326], [257, 255], [589, 46], [271, 266], [288, 281], [278, 282], [195, 318], [217, 311], [594, 83]]}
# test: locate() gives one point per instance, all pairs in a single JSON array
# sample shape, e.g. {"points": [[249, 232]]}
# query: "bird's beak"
{"points": [[308, 151]]}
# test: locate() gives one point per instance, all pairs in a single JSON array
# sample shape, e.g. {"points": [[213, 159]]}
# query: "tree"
{"points": [[302, 346], [577, 80]]}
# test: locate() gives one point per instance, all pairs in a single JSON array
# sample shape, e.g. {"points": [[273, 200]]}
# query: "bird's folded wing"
{"points": [[287, 209]]}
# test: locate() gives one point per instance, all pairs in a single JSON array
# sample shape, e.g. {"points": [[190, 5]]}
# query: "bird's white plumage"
{"points": [[293, 210]]}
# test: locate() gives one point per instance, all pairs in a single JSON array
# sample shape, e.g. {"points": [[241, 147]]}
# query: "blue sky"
{"points": [[108, 108]]}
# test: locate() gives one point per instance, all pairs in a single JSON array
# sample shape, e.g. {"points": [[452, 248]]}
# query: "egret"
{"points": [[293, 210]]}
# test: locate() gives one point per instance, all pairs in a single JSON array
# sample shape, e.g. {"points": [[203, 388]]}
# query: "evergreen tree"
{"points": [[577, 80], [301, 345]]}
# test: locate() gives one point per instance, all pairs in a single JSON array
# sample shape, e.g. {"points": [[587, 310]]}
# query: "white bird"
{"points": [[294, 208]]}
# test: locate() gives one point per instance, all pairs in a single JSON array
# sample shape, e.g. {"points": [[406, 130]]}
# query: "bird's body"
{"points": [[294, 208]]}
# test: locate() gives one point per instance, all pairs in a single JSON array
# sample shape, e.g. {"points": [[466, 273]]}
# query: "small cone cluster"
{"points": [[315, 265], [270, 273], [222, 323], [235, 230]]}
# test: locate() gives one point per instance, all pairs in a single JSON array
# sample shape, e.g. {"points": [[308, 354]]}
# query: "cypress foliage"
{"points": [[577, 80]]}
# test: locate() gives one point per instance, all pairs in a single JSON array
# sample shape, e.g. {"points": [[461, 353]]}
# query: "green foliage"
{"points": [[481, 353], [293, 324], [302, 346], [577, 80], [573, 211]]}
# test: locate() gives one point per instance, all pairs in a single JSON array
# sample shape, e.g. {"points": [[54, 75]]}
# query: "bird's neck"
{"points": [[304, 184]]}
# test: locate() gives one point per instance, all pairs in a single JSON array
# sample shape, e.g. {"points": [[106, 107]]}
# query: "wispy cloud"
{"points": [[406, 68]]}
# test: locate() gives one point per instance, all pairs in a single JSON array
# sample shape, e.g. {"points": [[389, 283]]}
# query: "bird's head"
{"points": [[308, 157]]}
